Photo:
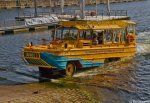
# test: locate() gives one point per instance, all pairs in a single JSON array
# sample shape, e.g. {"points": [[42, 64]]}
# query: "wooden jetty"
{"points": [[23, 28]]}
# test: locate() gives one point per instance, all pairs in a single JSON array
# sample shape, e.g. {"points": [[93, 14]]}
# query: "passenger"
{"points": [[66, 36], [53, 34], [119, 36], [100, 38], [75, 36], [84, 35], [94, 39], [108, 35]]}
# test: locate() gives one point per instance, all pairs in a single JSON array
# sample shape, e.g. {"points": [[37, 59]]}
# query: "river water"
{"points": [[11, 46]]}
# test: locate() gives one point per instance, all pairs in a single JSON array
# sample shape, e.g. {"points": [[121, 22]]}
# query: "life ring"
{"points": [[130, 38]]}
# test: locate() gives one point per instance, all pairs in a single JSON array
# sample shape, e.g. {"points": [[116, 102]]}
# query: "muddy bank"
{"points": [[104, 84]]}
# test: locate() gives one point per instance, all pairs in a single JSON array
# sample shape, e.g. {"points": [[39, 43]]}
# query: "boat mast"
{"points": [[18, 6], [35, 8], [50, 6], [96, 7], [82, 7], [62, 6], [108, 7]]}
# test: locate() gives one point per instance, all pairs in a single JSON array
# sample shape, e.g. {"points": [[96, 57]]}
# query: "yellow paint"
{"points": [[97, 25]]}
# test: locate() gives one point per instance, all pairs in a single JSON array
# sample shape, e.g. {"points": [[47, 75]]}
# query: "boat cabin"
{"points": [[89, 34]]}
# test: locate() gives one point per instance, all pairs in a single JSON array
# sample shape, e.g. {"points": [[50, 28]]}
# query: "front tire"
{"points": [[70, 69], [44, 74]]}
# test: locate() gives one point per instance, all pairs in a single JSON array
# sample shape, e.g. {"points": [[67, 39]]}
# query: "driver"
{"points": [[66, 36]]}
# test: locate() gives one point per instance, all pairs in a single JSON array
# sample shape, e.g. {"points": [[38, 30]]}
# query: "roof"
{"points": [[97, 25]]}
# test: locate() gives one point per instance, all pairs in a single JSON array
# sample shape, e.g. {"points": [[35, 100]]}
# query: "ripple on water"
{"points": [[143, 78], [10, 50]]}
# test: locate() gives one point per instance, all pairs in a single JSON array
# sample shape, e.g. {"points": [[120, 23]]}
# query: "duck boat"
{"points": [[82, 44]]}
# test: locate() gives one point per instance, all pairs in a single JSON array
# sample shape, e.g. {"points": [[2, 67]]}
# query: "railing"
{"points": [[73, 13]]}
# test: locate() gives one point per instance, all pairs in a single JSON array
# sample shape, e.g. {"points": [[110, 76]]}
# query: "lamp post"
{"points": [[96, 7]]}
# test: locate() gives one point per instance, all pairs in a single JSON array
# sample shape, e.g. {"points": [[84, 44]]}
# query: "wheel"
{"points": [[70, 69], [44, 74], [108, 60]]}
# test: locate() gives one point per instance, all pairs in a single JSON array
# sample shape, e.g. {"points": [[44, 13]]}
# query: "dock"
{"points": [[44, 27], [31, 24], [40, 23], [23, 28]]}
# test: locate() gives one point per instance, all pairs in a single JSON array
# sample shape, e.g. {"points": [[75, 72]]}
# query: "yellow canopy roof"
{"points": [[97, 25]]}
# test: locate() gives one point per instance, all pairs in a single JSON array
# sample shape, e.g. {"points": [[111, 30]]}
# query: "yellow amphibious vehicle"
{"points": [[83, 44]]}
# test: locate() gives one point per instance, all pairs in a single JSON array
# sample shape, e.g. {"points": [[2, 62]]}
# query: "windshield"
{"points": [[66, 33]]}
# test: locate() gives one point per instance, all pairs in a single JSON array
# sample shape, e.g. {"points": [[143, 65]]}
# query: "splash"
{"points": [[143, 43]]}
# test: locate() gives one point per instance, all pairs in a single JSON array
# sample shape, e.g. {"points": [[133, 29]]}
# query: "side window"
{"points": [[66, 33], [59, 34], [81, 36], [108, 36], [119, 35], [131, 28], [86, 35], [115, 36], [123, 32], [73, 33], [100, 37]]}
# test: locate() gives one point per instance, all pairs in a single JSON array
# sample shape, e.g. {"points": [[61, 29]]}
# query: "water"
{"points": [[11, 45], [10, 52]]}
